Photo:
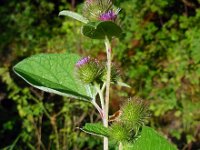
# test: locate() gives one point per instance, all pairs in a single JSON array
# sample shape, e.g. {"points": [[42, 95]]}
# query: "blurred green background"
{"points": [[158, 55]]}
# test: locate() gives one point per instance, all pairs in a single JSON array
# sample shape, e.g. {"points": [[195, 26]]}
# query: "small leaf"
{"points": [[95, 129], [98, 30], [150, 140], [54, 73], [120, 83], [73, 15]]}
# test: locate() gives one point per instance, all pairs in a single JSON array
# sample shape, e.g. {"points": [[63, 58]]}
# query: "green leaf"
{"points": [[121, 83], [150, 140], [54, 73], [73, 15], [95, 129], [98, 30]]}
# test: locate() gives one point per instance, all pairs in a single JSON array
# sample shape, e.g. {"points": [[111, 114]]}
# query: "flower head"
{"points": [[128, 125], [134, 113], [118, 132], [89, 1], [108, 16], [88, 70], [100, 10], [83, 61]]}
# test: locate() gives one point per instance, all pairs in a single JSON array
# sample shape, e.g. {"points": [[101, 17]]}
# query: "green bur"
{"points": [[131, 119], [118, 133], [88, 70], [134, 114]]}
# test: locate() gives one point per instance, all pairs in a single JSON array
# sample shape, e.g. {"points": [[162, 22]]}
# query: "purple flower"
{"points": [[83, 61], [89, 1], [108, 16]]}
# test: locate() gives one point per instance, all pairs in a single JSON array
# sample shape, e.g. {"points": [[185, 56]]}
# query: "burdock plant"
{"points": [[88, 79]]}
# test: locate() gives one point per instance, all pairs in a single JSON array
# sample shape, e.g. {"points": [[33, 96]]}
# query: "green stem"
{"points": [[120, 146], [57, 136], [106, 106], [100, 92], [52, 120], [55, 128], [43, 107], [98, 108], [14, 143], [103, 87]]}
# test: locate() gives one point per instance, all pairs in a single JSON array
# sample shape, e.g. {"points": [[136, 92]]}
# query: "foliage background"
{"points": [[158, 55]]}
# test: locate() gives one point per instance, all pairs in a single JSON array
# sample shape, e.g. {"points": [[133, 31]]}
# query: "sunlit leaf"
{"points": [[150, 140], [54, 73]]}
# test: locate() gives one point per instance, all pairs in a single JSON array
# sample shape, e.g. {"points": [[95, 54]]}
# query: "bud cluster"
{"points": [[133, 115]]}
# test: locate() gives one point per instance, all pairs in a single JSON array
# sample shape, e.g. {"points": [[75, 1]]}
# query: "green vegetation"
{"points": [[159, 58]]}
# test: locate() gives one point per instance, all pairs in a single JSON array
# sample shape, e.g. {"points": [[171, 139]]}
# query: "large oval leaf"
{"points": [[54, 73], [150, 140], [98, 30]]}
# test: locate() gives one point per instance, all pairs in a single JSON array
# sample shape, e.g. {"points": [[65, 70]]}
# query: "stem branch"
{"points": [[55, 128], [100, 92], [98, 108]]}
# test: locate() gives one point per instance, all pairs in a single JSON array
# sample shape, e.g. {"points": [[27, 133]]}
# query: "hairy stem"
{"points": [[120, 146], [98, 108], [106, 106], [100, 92]]}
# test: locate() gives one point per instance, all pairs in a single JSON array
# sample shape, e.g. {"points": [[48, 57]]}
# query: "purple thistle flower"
{"points": [[108, 16], [83, 61], [89, 1]]}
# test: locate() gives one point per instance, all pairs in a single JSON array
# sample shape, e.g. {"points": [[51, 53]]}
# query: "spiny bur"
{"points": [[134, 113], [118, 133], [88, 70]]}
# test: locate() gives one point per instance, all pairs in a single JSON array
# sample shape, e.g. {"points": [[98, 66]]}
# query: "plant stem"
{"points": [[57, 137], [43, 107], [98, 108], [55, 128], [100, 92], [120, 146], [106, 106]]}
